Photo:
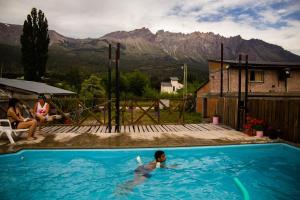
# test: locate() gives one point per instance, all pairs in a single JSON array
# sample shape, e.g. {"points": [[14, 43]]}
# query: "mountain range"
{"points": [[160, 54]]}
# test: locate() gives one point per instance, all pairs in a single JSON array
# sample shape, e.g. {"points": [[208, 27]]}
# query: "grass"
{"points": [[137, 116], [131, 112]]}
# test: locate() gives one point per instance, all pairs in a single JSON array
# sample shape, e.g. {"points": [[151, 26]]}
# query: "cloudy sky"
{"points": [[274, 21]]}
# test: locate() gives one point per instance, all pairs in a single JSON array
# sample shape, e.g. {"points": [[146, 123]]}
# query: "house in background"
{"points": [[170, 87], [265, 79]]}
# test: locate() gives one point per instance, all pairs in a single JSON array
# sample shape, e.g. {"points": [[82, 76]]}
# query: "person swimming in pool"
{"points": [[142, 172]]}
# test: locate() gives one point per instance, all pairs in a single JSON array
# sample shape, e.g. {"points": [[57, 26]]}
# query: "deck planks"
{"points": [[204, 130]]}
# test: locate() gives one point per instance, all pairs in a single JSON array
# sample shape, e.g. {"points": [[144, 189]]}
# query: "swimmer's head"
{"points": [[160, 156]]}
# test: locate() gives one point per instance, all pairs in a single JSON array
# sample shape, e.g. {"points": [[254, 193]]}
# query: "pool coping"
{"points": [[282, 142]]}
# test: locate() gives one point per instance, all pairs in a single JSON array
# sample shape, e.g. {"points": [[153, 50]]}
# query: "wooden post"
{"points": [[123, 113], [221, 87], [77, 113], [239, 94], [104, 114], [117, 129], [158, 111], [131, 111], [109, 88], [246, 90]]}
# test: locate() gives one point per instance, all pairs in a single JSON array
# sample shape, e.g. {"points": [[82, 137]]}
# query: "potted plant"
{"points": [[258, 126], [215, 119]]}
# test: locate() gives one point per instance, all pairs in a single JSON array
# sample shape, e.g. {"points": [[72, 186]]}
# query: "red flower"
{"points": [[253, 123], [247, 126]]}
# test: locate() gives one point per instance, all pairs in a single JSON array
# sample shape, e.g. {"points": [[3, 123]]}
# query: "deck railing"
{"points": [[76, 111]]}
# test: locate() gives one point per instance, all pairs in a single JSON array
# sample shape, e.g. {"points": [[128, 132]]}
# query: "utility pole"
{"points": [[185, 67], [184, 89]]}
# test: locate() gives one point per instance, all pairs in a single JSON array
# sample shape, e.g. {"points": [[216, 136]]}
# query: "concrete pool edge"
{"points": [[151, 148]]}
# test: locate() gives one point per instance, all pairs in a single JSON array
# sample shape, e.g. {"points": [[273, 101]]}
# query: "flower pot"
{"points": [[259, 133], [215, 120]]}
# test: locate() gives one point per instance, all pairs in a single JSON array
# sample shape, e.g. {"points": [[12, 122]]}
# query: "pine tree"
{"points": [[35, 41]]}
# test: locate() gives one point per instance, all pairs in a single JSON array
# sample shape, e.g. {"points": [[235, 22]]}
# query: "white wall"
{"points": [[169, 89]]}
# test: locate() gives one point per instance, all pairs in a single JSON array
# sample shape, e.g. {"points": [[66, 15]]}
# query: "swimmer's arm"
{"points": [[169, 166], [173, 166]]}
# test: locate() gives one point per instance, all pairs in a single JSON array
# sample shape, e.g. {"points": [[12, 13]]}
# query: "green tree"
{"points": [[137, 83], [35, 42], [92, 87], [74, 78], [123, 83]]}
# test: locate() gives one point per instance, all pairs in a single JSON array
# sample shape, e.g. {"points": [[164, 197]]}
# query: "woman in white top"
{"points": [[41, 110]]}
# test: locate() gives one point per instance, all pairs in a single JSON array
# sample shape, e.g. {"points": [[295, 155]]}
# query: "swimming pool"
{"points": [[267, 171]]}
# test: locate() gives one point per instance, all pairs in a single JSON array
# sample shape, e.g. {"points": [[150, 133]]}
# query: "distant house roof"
{"points": [[260, 64], [174, 78], [166, 84], [32, 87]]}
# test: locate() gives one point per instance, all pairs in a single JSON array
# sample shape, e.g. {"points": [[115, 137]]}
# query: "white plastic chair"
{"points": [[9, 131]]}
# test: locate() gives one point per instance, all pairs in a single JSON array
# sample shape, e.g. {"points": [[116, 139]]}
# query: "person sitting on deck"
{"points": [[18, 121], [41, 111]]}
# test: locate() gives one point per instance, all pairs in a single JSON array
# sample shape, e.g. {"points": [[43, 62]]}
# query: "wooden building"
{"points": [[265, 79]]}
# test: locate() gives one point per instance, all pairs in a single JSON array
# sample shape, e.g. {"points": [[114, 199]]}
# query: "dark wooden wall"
{"points": [[279, 113], [227, 110]]}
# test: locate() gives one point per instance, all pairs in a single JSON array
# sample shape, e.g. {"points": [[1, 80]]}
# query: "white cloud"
{"points": [[94, 18]]}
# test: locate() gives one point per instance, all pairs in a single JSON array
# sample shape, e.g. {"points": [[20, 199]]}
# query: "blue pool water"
{"points": [[269, 171]]}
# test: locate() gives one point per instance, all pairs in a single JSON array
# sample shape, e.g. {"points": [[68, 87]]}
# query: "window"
{"points": [[173, 88], [256, 76]]}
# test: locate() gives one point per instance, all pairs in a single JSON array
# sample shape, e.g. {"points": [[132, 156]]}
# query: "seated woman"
{"points": [[17, 121], [41, 110]]}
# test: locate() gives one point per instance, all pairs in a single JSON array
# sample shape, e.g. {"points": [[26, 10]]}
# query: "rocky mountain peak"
{"points": [[163, 46], [142, 33]]}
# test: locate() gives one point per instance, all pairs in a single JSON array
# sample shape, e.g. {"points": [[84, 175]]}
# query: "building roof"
{"points": [[32, 87], [202, 85], [174, 78], [259, 64], [166, 84]]}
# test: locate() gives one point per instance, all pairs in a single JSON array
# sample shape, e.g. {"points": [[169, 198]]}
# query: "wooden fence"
{"points": [[226, 108], [77, 111], [278, 113]]}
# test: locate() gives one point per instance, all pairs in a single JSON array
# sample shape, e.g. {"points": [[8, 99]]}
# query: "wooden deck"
{"points": [[149, 132], [136, 128], [96, 136]]}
